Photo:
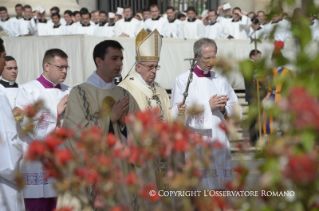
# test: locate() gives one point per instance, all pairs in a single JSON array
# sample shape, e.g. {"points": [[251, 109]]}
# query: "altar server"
{"points": [[174, 23], [157, 22], [85, 27], [214, 29], [127, 26], [192, 27], [105, 29], [238, 27]]}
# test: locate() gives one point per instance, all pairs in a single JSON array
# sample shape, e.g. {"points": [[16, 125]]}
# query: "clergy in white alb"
{"points": [[57, 28], [99, 102], [192, 28], [238, 27], [39, 193], [54, 10], [174, 24], [127, 26], [104, 29], [157, 22], [213, 93], [85, 27], [256, 30], [8, 78], [214, 29], [17, 19], [10, 151], [28, 23], [7, 23]]}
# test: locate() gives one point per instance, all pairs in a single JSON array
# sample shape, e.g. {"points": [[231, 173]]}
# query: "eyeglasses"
{"points": [[60, 67], [157, 67], [10, 68]]}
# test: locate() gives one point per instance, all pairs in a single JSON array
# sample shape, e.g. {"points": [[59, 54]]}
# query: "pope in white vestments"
{"points": [[214, 94], [39, 192], [10, 151]]}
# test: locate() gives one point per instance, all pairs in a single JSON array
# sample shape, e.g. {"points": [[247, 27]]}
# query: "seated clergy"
{"points": [[192, 27], [85, 27], [105, 29], [127, 26], [157, 22], [238, 27], [57, 28], [214, 29], [8, 78]]}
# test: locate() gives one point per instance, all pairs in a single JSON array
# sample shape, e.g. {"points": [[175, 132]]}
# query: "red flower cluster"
{"points": [[304, 107], [36, 150], [302, 169], [278, 46], [149, 192]]}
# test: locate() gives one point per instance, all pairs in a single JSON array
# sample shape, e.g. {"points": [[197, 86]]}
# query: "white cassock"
{"points": [[11, 90], [42, 29], [62, 22], [160, 23], [27, 27], [192, 29], [69, 28], [29, 93], [89, 30], [259, 33], [214, 30], [314, 27], [105, 31], [282, 30], [61, 30], [238, 29], [207, 123], [10, 156], [16, 25], [8, 26], [175, 26], [131, 27]]}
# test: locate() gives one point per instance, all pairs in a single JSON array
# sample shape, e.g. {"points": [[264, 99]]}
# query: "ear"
{"points": [[46, 67], [137, 67], [98, 61]]}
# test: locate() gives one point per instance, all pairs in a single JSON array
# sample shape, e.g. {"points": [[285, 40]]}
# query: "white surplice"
{"points": [[8, 26], [62, 30], [37, 186], [79, 29], [175, 28], [239, 29], [282, 31], [207, 123], [258, 34], [10, 156], [104, 31], [214, 31], [160, 24], [131, 28], [192, 30]]}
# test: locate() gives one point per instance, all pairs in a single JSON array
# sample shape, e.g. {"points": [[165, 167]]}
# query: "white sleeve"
{"points": [[117, 29], [166, 29], [232, 102], [200, 30], [181, 31], [177, 96]]}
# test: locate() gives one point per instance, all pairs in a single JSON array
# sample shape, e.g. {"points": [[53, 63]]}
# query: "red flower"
{"points": [[111, 139], [240, 170], [217, 145], [197, 173], [104, 160], [63, 156], [52, 142], [98, 202], [301, 169], [149, 192], [36, 148], [30, 111], [80, 172], [131, 178], [180, 145], [93, 176], [279, 44], [65, 133]]}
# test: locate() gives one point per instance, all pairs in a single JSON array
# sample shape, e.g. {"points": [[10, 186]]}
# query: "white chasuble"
{"points": [[10, 156], [37, 186], [207, 123], [148, 96]]}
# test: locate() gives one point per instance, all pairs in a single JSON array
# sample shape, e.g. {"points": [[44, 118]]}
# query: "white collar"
{"points": [[54, 85], [98, 82], [204, 71], [142, 80], [10, 82]]}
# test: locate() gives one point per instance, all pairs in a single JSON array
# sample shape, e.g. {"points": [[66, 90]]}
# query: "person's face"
{"points": [[261, 17], [95, 17], [251, 15], [3, 15], [170, 14], [102, 17], [111, 66], [85, 19], [111, 20], [77, 18], [227, 12], [127, 12], [56, 74], [276, 18], [191, 15], [138, 16], [55, 20], [10, 71], [2, 62], [18, 11], [255, 26], [27, 13], [212, 17], [182, 19], [208, 55], [256, 58], [67, 18], [154, 12], [146, 15], [235, 15], [147, 70]]}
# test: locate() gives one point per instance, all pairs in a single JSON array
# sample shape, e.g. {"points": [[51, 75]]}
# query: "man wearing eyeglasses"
{"points": [[214, 94], [39, 193], [8, 78]]}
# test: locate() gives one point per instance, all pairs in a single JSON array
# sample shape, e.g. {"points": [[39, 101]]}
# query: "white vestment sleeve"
{"points": [[166, 30], [200, 30], [177, 97], [232, 102]]}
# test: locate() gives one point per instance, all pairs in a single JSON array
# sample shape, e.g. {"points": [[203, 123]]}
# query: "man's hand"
{"points": [[123, 35], [62, 104], [119, 108], [238, 13], [220, 8], [181, 108], [218, 101]]}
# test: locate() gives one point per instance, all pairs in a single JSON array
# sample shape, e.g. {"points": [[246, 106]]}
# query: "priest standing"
{"points": [[10, 151], [192, 27], [238, 27], [157, 22], [8, 78], [85, 27], [214, 29], [39, 193], [174, 23], [213, 93], [127, 26]]}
